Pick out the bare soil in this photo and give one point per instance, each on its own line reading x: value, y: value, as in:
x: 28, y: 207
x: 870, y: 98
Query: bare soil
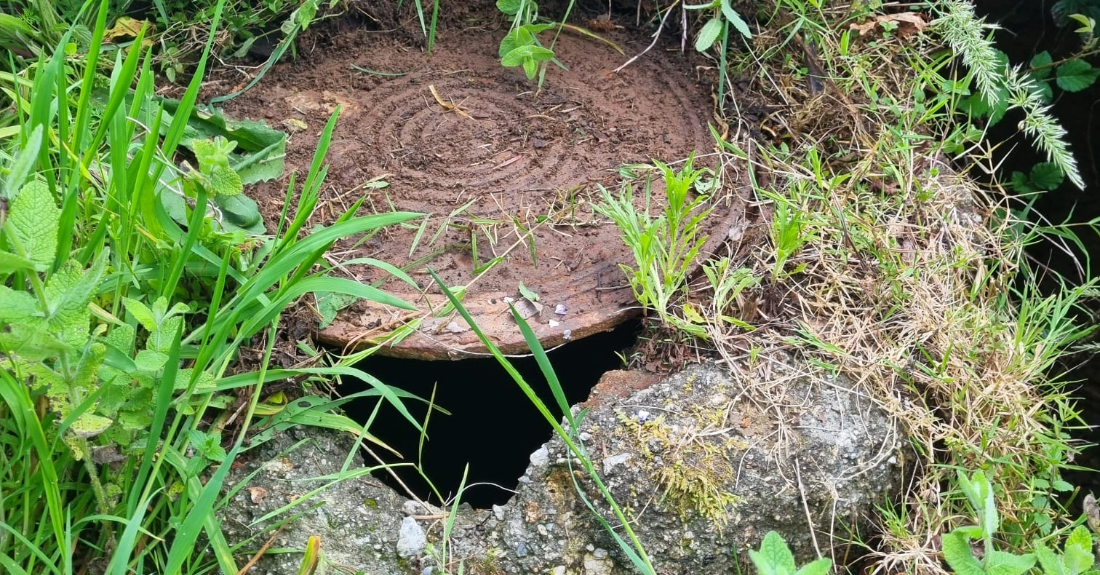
x: 499, y: 165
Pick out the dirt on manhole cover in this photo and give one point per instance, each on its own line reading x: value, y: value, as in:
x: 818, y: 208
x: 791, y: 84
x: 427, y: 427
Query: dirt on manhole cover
x: 506, y: 166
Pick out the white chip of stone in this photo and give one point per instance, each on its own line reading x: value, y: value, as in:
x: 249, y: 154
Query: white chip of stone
x: 541, y: 457
x: 411, y: 540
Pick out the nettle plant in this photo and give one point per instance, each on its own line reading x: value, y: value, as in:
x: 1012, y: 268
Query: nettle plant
x: 1076, y: 557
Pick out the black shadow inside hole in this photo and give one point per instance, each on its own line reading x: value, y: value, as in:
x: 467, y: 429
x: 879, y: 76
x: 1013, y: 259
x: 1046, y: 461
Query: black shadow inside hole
x: 493, y: 426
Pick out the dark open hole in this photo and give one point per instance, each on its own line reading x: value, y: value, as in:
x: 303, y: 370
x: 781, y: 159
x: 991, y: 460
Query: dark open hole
x: 492, y: 426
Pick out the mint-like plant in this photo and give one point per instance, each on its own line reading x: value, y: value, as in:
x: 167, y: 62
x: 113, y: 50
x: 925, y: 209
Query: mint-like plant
x: 1077, y: 557
x: 775, y: 558
x: 521, y: 46
x: 956, y: 544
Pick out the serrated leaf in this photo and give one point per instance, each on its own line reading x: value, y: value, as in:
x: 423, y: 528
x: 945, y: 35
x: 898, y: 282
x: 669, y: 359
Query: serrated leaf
x: 141, y: 313
x: 329, y: 305
x: 11, y: 263
x: 708, y: 34
x: 67, y: 293
x: 1004, y: 563
x: 1048, y: 176
x: 1049, y: 561
x: 161, y: 339
x: 957, y: 553
x: 90, y: 425
x: 1079, y: 557
x: 150, y: 361
x: 1045, y: 91
x: 16, y: 306
x: 734, y: 18
x: 1076, y: 75
x: 34, y: 218
x: 1020, y: 182
x: 1040, y: 65
x: 23, y: 164
x: 224, y: 181
x: 88, y: 367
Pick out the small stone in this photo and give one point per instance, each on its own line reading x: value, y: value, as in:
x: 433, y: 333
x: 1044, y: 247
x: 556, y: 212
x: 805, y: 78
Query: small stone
x: 498, y: 512
x: 559, y: 309
x: 599, y: 553
x: 538, y: 144
x: 411, y: 539
x: 541, y: 530
x: 609, y: 463
x: 521, y: 550
x: 554, y: 323
x: 541, y: 457
x: 567, y: 334
x: 559, y: 570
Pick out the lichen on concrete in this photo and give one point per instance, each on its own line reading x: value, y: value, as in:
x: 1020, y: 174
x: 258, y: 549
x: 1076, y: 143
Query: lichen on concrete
x: 702, y: 463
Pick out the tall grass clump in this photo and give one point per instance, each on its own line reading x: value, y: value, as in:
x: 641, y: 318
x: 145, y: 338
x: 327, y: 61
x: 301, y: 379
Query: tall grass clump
x: 120, y: 326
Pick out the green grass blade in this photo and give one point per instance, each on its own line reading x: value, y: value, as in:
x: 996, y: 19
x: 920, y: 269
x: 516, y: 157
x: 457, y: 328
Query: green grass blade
x: 21, y: 408
x: 188, y: 532
x: 544, y: 365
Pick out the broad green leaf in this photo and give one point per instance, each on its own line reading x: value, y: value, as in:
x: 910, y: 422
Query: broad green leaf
x: 23, y: 164
x: 241, y: 212
x: 1004, y: 563
x: 509, y: 7
x: 68, y: 292
x: 150, y: 361
x: 1050, y: 562
x: 1079, y: 556
x: 224, y: 181
x: 90, y: 425
x: 530, y: 67
x: 141, y: 313
x: 11, y: 263
x: 957, y: 553
x: 1042, y: 87
x: 819, y: 567
x: 519, y: 55
x: 774, y: 558
x: 734, y: 18
x: 1020, y: 182
x: 329, y: 305
x: 16, y: 306
x: 1041, y: 65
x: 1046, y: 176
x: 1076, y: 75
x: 514, y: 39
x: 708, y: 34
x: 34, y: 217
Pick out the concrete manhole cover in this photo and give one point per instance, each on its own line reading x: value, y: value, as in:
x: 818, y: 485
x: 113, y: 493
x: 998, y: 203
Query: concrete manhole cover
x: 507, y: 172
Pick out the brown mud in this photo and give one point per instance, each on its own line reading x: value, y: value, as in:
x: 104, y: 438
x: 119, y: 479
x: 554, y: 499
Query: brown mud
x: 503, y: 169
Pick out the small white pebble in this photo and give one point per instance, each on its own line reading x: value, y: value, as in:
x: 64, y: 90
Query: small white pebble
x: 559, y: 309
x: 567, y: 334
x: 509, y: 299
x: 554, y: 323
x: 643, y: 415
